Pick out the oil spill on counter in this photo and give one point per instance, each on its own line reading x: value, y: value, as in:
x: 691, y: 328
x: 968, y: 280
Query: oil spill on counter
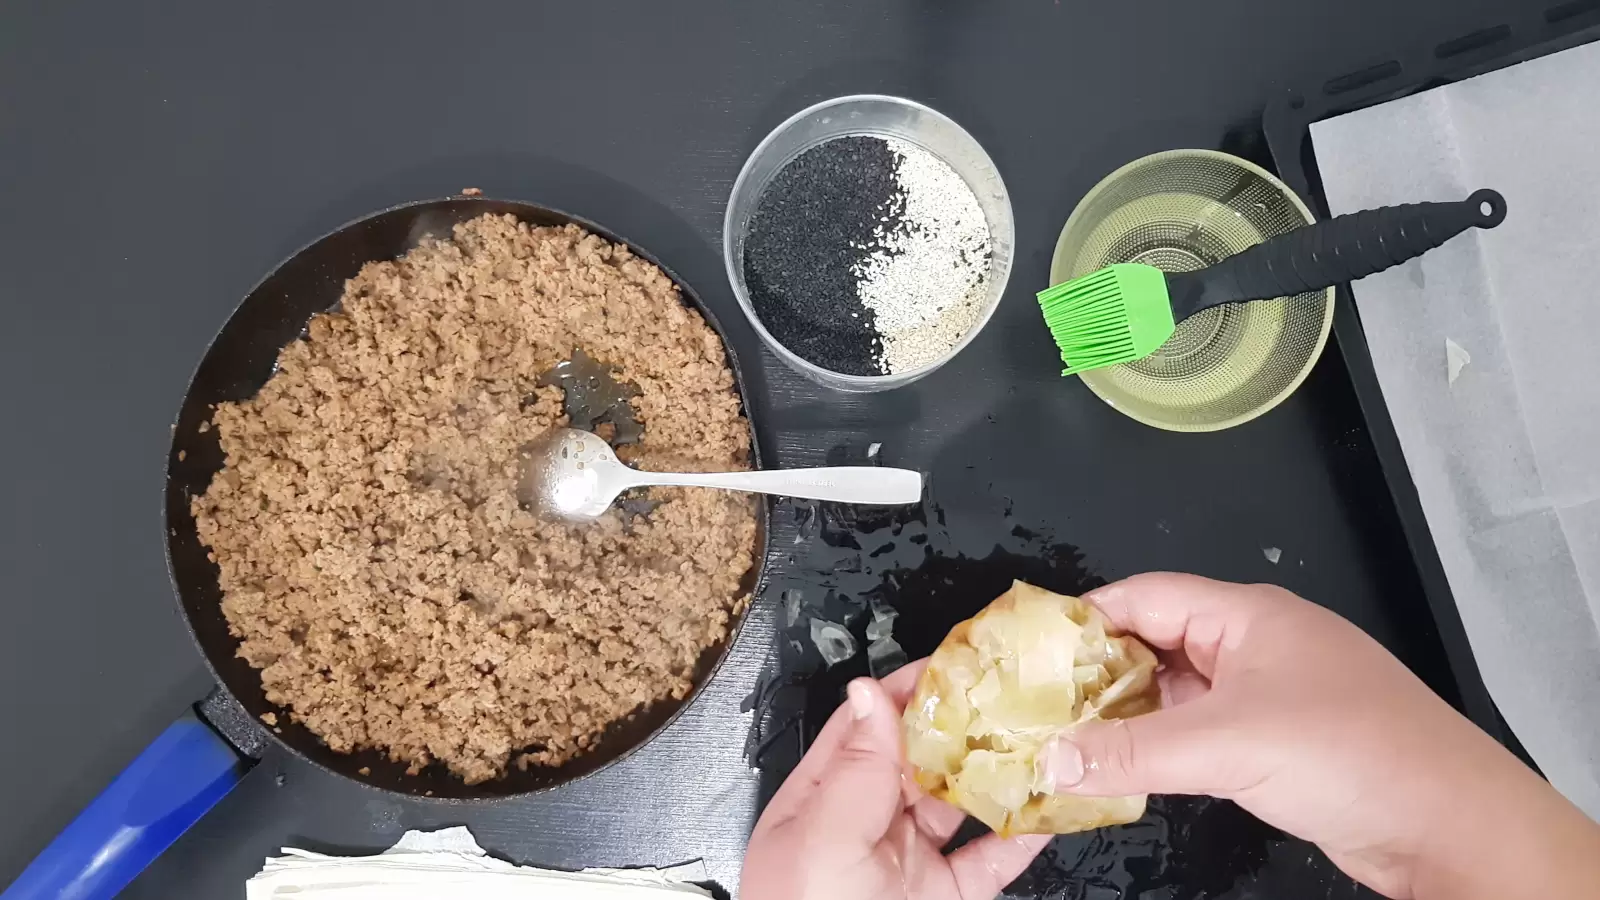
x: 1185, y: 848
x: 849, y: 566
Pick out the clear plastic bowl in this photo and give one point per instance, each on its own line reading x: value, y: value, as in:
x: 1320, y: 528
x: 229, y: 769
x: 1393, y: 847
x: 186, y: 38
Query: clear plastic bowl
x: 880, y: 116
x: 1181, y: 210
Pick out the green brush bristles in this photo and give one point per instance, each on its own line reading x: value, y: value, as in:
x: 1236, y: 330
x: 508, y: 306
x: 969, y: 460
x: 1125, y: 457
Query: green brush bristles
x: 1109, y: 317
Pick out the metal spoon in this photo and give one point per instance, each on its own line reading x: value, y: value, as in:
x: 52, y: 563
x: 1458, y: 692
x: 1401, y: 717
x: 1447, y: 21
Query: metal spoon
x: 573, y: 475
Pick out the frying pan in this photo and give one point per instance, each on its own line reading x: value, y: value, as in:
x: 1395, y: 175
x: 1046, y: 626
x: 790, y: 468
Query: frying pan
x: 191, y: 766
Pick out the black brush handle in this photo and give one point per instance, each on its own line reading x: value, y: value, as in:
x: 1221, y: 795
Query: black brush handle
x: 1324, y: 254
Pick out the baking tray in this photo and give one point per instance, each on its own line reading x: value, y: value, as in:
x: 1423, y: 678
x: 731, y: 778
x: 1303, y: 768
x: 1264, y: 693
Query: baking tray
x: 1534, y: 31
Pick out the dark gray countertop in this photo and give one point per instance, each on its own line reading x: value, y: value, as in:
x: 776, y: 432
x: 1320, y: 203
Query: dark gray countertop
x: 156, y: 161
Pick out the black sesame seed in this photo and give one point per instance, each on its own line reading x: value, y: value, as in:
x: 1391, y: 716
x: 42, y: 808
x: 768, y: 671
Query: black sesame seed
x: 814, y: 224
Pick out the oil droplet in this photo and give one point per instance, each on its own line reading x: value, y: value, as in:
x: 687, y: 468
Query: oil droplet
x: 594, y: 397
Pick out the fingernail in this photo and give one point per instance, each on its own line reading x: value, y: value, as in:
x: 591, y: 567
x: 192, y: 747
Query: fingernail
x: 860, y: 700
x: 1102, y: 594
x: 1063, y: 764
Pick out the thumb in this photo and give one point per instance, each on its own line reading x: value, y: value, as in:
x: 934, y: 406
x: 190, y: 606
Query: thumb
x: 1178, y: 750
x: 858, y: 793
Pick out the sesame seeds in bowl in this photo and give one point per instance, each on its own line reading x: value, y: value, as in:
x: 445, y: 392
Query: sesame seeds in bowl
x: 868, y: 239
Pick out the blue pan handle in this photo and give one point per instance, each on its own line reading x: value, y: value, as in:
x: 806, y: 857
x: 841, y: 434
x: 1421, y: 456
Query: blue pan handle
x: 150, y: 804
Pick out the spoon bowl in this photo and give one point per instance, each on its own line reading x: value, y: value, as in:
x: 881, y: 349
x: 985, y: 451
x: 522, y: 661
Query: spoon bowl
x: 569, y: 474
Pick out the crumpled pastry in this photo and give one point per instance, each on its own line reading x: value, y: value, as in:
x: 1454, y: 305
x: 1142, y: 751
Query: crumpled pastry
x: 1032, y: 665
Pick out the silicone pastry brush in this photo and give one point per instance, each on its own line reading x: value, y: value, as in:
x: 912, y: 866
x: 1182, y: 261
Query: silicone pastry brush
x: 1124, y: 312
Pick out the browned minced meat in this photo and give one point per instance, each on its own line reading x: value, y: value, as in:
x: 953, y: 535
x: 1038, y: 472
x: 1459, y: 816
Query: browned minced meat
x: 373, y: 559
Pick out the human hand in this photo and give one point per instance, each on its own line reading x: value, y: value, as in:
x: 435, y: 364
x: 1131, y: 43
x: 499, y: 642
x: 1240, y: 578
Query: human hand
x: 1308, y: 723
x: 847, y: 825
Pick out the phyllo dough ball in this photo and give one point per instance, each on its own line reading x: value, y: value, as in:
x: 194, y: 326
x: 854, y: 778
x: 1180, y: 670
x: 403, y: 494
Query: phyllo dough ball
x: 1032, y: 665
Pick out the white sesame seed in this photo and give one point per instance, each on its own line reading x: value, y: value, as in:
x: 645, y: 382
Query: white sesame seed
x: 926, y: 279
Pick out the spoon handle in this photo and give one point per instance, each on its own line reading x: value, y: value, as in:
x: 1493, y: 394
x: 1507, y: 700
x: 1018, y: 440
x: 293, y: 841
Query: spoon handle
x: 871, y: 485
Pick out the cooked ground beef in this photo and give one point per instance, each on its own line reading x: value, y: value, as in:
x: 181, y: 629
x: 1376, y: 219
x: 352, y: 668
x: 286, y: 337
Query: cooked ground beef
x: 374, y: 562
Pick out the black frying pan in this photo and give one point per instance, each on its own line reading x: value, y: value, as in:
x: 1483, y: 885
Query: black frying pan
x: 189, y: 767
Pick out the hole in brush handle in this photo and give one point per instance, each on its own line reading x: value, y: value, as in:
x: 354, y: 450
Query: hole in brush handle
x: 1490, y: 207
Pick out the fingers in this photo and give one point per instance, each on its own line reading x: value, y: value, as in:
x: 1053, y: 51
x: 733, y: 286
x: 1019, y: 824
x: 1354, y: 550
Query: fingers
x: 1180, y: 686
x: 936, y: 819
x: 814, y: 767
x: 1178, y: 680
x: 1187, y: 612
x: 852, y: 807
x: 809, y: 772
x: 902, y: 682
x: 1182, y: 750
x: 982, y: 868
